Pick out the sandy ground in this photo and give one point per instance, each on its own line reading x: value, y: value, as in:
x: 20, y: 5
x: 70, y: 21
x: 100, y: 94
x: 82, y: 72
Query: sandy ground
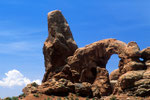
x: 74, y: 97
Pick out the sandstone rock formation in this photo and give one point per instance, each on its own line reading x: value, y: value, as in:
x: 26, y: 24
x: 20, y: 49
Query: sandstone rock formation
x: 30, y: 88
x: 59, y: 44
x: 70, y: 69
x: 133, y: 83
x: 145, y: 54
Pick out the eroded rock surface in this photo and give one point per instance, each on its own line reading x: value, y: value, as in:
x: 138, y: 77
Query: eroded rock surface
x: 30, y: 88
x: 114, y: 75
x: 133, y: 83
x: 59, y: 44
x: 70, y: 69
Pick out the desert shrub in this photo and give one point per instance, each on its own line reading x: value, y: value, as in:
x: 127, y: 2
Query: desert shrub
x: 87, y: 98
x: 22, y: 95
x: 34, y: 84
x: 77, y: 94
x: 49, y: 98
x: 76, y: 98
x: 59, y: 98
x: 53, y: 96
x: 14, y: 98
x: 113, y: 98
x: 36, y: 95
x: 71, y: 98
x: 8, y: 98
x: 66, y: 98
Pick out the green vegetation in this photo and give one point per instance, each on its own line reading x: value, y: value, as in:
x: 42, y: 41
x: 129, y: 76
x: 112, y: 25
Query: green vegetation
x: 22, y: 95
x: 36, y: 95
x: 76, y: 98
x: 13, y: 98
x: 53, y: 96
x: 59, y: 98
x: 77, y: 94
x: 66, y: 98
x: 49, y: 98
x: 87, y: 98
x: 113, y: 98
x: 71, y: 98
x: 8, y: 98
x: 34, y: 84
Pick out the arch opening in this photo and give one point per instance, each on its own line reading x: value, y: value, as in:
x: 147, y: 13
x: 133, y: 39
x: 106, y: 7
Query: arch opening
x: 141, y: 59
x: 113, y: 63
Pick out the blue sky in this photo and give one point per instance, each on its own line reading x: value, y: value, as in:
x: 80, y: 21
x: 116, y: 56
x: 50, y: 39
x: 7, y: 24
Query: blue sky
x: 23, y: 30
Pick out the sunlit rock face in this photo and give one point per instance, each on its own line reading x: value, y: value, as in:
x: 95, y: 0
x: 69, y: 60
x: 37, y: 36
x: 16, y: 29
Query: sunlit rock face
x: 70, y: 69
x: 59, y: 44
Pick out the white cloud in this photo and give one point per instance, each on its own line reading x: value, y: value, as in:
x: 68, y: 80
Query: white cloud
x: 15, y: 78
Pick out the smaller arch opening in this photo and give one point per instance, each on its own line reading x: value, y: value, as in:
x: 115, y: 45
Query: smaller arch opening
x: 141, y: 59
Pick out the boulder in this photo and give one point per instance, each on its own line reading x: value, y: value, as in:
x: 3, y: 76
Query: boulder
x: 133, y: 83
x: 146, y: 75
x: 142, y: 88
x: 145, y: 54
x: 133, y: 66
x: 113, y: 84
x: 83, y: 89
x: 54, y: 87
x: 127, y: 80
x: 68, y: 74
x: 147, y: 64
x: 114, y: 75
x: 30, y: 88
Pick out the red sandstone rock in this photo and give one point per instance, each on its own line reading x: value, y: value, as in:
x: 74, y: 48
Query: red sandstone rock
x: 83, y: 70
x: 102, y: 82
x: 59, y: 44
x: 145, y: 53
x: 135, y: 83
x: 68, y: 74
x: 30, y: 88
x: 114, y: 75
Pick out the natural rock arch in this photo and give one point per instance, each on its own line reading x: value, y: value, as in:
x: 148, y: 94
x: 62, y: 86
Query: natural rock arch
x: 60, y: 49
x: 83, y: 70
x: 97, y: 55
x: 113, y: 63
x: 63, y: 59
